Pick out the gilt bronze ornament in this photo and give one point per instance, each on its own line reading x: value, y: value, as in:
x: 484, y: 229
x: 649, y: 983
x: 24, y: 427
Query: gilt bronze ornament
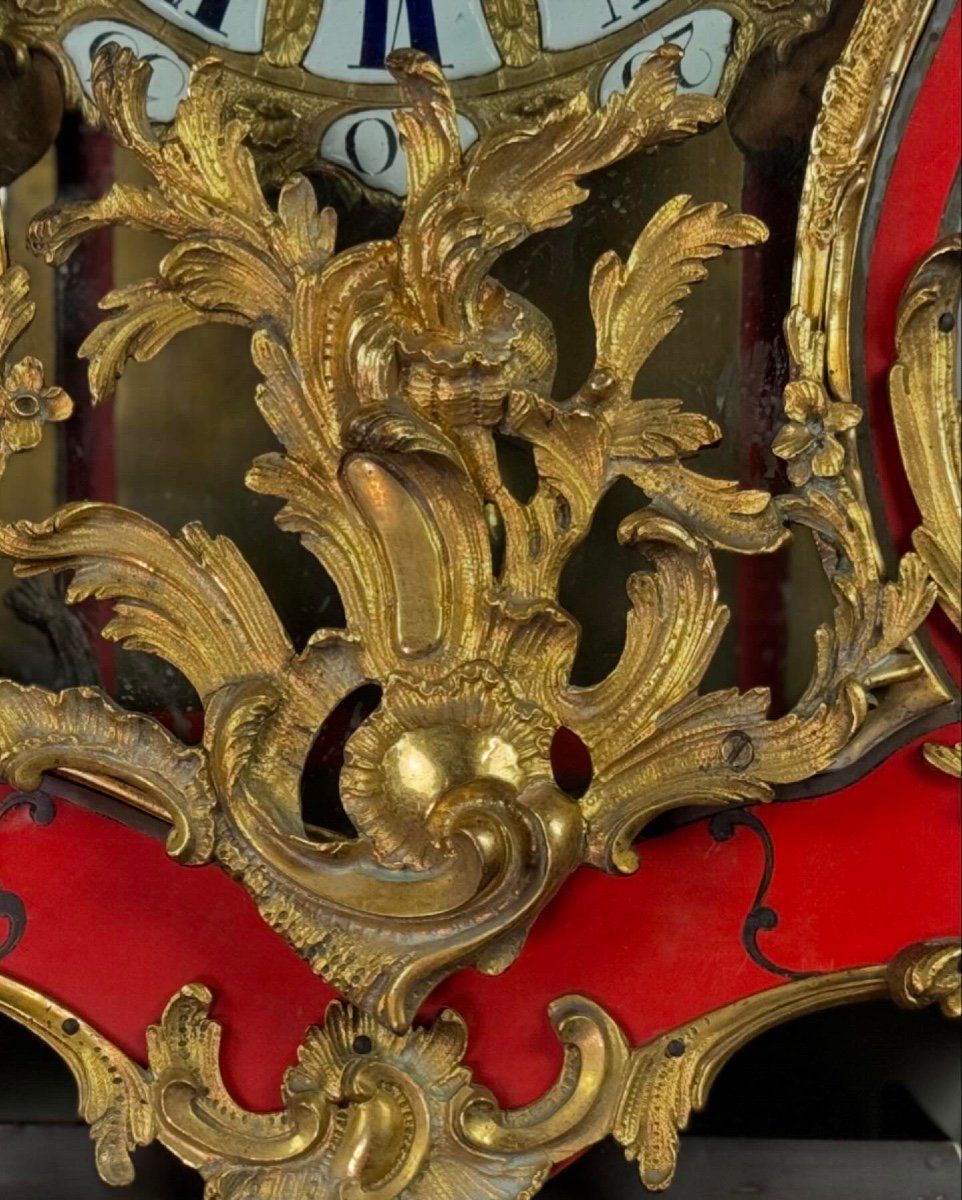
x: 371, y: 1113
x: 388, y: 368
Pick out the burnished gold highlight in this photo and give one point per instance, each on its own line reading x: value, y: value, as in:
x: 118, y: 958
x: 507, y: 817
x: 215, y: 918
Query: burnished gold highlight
x: 385, y: 390
x: 369, y: 1113
x: 388, y: 371
x: 288, y: 28
x: 114, y: 1096
x: 856, y: 106
x: 818, y: 439
x: 928, y: 974
x: 516, y: 28
x: 376, y: 1114
x: 671, y: 1077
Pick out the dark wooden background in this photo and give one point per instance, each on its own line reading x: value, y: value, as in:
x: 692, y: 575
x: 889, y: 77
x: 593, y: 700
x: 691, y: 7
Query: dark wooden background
x: 54, y: 1162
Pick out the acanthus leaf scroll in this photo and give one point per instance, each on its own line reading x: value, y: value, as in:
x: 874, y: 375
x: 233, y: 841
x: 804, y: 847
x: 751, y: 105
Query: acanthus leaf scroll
x: 387, y: 368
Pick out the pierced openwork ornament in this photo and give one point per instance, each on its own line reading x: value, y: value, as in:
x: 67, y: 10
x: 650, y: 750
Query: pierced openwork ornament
x: 389, y: 370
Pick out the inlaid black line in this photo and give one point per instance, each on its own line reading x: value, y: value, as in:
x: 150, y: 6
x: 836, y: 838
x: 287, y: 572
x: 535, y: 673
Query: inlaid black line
x: 42, y: 810
x: 762, y: 917
x: 13, y: 914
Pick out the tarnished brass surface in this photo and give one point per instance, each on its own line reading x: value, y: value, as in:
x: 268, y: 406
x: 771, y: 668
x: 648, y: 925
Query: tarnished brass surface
x: 388, y: 369
x: 370, y: 1113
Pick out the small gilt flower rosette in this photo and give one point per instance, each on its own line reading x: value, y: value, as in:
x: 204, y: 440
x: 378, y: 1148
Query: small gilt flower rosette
x: 26, y: 402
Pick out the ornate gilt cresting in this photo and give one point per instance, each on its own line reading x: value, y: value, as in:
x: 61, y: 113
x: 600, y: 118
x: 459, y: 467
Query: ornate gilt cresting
x: 368, y: 1113
x: 387, y: 370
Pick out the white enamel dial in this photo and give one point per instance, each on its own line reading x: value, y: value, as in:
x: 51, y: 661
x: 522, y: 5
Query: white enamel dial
x: 706, y: 39
x: 354, y: 37
x: 233, y: 24
x: 169, y: 72
x: 367, y: 144
x: 569, y: 23
x: 333, y: 77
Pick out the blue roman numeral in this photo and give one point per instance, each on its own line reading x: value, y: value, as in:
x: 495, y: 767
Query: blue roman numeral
x: 374, y: 37
x: 209, y: 13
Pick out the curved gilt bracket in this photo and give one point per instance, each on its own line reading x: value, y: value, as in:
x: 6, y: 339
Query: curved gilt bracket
x: 671, y: 1077
x: 818, y: 438
x: 925, y: 388
x: 114, y: 1092
x: 371, y: 1115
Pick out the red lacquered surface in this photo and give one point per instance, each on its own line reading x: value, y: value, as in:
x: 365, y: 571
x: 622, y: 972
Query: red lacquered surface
x: 114, y: 927
x: 857, y: 875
